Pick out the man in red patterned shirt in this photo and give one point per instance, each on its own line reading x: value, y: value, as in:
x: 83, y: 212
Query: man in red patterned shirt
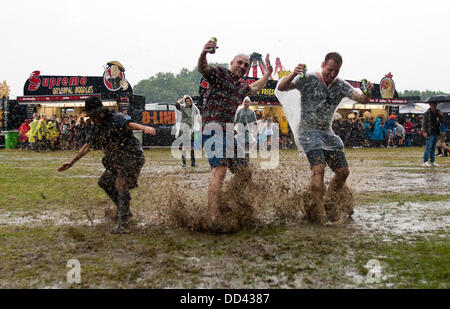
x: 225, y: 93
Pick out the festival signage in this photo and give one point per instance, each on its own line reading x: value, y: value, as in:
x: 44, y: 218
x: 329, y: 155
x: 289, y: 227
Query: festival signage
x: 387, y: 87
x: 111, y: 85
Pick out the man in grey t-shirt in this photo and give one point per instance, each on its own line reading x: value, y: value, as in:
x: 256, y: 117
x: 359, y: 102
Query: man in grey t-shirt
x: 321, y: 93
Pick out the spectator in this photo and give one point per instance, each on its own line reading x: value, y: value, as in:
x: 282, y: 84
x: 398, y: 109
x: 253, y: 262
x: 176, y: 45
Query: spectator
x: 431, y: 127
x: 390, y: 126
x: 399, y: 133
x: 23, y: 130
x: 284, y: 130
x: 441, y: 145
x: 247, y: 118
x: 53, y: 134
x: 377, y: 135
x: 125, y: 114
x: 368, y: 128
x: 65, y: 134
x: 408, y: 131
x: 41, y: 133
x: 32, y: 132
x: 187, y: 118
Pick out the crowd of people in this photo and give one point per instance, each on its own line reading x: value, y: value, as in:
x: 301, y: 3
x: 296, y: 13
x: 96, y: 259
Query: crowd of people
x: 68, y: 133
x: 53, y: 133
x: 368, y: 131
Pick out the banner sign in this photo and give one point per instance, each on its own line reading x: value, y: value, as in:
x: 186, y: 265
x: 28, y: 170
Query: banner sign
x: 111, y: 85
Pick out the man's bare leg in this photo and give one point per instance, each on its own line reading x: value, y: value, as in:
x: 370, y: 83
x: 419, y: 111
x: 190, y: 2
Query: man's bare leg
x: 317, y: 211
x: 339, y: 214
x: 338, y: 181
x: 215, y: 192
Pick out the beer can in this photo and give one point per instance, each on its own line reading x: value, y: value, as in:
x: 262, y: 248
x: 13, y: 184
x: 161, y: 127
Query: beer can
x: 213, y: 50
x: 363, y: 86
x: 301, y: 75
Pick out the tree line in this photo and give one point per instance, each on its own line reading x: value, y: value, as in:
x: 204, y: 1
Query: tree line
x: 169, y: 87
x: 424, y: 95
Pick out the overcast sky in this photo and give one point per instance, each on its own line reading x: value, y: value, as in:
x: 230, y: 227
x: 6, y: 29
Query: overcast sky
x: 411, y: 39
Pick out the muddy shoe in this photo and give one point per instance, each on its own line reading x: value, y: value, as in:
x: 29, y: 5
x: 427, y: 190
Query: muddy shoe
x: 223, y: 225
x: 121, y: 228
x: 111, y: 213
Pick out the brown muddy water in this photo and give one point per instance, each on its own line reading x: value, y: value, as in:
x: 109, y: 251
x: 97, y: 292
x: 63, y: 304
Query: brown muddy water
x: 271, y: 195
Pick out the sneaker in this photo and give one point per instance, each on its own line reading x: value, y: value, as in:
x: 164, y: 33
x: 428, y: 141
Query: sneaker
x: 434, y: 164
x: 426, y: 164
x: 440, y: 155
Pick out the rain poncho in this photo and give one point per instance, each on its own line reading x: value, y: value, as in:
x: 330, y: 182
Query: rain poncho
x: 245, y: 122
x: 310, y: 111
x: 53, y: 132
x: 377, y: 131
x: 32, y: 133
x: 189, y: 116
x: 41, y: 130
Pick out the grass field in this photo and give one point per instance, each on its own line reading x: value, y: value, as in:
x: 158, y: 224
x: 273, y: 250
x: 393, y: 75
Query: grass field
x: 402, y: 220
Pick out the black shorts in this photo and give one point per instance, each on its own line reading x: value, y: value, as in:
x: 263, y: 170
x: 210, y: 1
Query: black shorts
x: 334, y: 158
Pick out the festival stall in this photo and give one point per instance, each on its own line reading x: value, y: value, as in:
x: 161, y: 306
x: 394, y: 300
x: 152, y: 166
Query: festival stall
x: 65, y: 95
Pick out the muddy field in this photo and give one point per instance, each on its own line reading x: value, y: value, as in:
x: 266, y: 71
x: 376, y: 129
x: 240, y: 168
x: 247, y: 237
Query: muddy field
x: 401, y: 220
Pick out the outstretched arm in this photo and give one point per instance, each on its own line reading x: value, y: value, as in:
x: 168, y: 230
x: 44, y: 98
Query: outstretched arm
x: 287, y: 83
x: 361, y: 98
x: 83, y: 151
x: 137, y: 126
x: 260, y: 83
x: 203, y: 66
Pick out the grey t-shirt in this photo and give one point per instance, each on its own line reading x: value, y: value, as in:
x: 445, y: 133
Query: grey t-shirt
x: 319, y: 101
x: 318, y: 105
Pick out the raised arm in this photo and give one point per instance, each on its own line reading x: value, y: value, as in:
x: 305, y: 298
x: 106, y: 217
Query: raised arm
x: 137, y: 126
x: 287, y: 83
x: 260, y: 83
x: 203, y: 66
x: 361, y: 97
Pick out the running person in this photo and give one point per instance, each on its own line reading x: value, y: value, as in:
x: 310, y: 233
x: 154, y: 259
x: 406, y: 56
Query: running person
x: 225, y: 93
x: 321, y: 93
x: 123, y: 158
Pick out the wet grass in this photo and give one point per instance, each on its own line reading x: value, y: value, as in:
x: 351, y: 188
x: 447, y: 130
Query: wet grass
x: 364, y: 198
x: 273, y: 255
x: 422, y: 264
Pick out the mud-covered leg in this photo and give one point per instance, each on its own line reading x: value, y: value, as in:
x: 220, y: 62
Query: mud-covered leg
x: 339, y: 199
x: 215, y: 194
x: 317, y: 211
x: 108, y: 183
x: 123, y: 205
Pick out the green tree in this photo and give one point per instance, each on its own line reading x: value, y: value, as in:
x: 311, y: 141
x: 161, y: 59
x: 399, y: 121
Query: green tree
x: 168, y: 87
x: 424, y: 95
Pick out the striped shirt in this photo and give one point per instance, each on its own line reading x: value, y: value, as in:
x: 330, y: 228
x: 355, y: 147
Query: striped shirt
x: 224, y: 95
